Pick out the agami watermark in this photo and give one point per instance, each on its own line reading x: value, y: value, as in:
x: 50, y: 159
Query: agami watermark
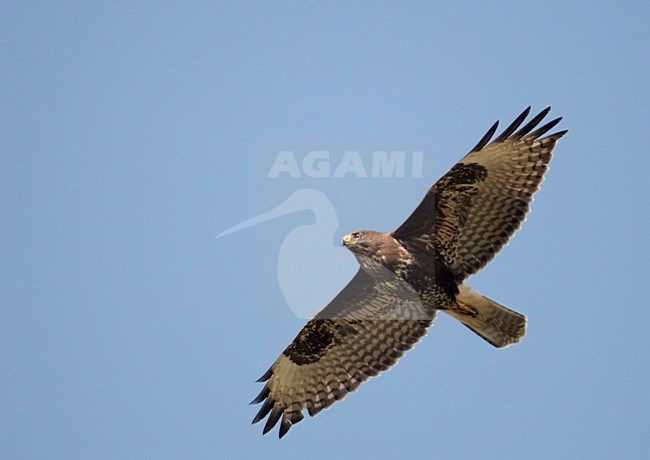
x: 310, y: 264
x: 319, y: 164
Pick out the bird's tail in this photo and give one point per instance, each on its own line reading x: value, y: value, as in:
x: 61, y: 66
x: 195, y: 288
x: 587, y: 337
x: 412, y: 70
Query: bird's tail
x: 495, y: 323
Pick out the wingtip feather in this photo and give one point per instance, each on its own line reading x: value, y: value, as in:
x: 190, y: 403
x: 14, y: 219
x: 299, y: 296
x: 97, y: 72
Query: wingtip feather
x: 266, y: 376
x: 272, y: 420
x: 266, y: 408
x: 514, y: 125
x: 544, y: 129
x: 285, y: 426
x: 486, y: 138
x: 556, y: 136
x: 262, y: 396
x: 532, y: 124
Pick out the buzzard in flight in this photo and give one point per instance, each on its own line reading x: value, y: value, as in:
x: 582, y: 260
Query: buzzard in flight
x: 408, y: 275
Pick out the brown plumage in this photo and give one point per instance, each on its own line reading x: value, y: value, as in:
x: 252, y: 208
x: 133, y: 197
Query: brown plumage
x: 406, y: 276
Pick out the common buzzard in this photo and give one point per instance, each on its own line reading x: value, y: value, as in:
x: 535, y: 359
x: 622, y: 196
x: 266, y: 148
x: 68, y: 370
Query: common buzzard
x: 408, y: 275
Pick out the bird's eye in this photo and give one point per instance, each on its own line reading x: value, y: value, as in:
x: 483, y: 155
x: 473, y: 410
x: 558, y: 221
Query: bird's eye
x: 357, y: 235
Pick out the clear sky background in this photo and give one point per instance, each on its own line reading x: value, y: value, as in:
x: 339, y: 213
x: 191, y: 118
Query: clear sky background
x: 131, y: 135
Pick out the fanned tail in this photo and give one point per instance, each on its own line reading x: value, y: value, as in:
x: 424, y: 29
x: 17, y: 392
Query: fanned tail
x: 495, y: 323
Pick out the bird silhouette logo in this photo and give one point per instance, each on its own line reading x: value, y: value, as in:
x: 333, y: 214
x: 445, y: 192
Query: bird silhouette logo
x: 304, y: 287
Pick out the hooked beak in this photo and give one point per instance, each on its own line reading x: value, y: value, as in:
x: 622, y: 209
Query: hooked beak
x: 346, y: 240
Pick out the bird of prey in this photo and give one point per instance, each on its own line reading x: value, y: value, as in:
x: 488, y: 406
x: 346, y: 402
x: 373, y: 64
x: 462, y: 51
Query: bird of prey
x: 405, y: 277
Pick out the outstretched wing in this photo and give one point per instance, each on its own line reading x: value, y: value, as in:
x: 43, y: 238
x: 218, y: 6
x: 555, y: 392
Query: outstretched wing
x: 364, y: 330
x: 474, y: 209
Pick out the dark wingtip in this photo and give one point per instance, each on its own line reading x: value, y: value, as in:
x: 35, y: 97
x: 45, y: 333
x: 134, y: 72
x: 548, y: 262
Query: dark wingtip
x: 544, y: 129
x: 513, y: 126
x: 486, y: 138
x: 272, y: 420
x: 528, y: 127
x: 266, y: 376
x: 285, y: 425
x: 266, y: 408
x: 553, y: 137
x: 262, y: 396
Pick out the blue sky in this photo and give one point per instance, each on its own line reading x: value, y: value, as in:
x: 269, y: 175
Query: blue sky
x: 134, y: 132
